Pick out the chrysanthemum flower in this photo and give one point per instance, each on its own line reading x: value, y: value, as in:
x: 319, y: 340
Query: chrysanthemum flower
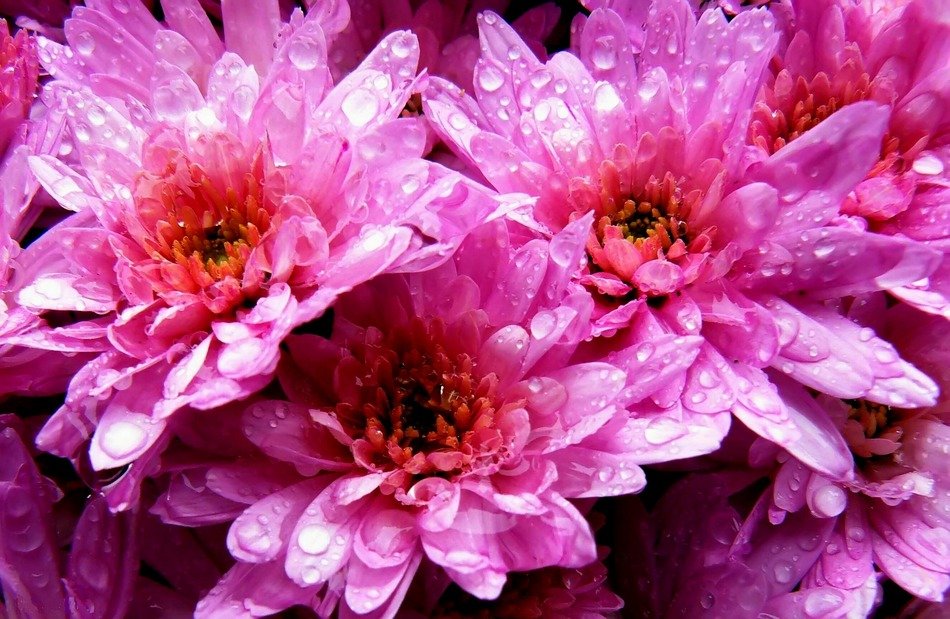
x: 716, y: 567
x: 440, y: 420
x: 644, y: 127
x: 893, y: 513
x: 837, y: 54
x: 22, y: 348
x: 225, y: 193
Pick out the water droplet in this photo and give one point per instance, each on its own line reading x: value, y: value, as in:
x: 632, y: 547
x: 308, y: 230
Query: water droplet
x: 123, y: 438
x: 311, y: 575
x: 360, y: 106
x: 604, y: 54
x: 605, y: 97
x: 84, y: 43
x: 402, y: 46
x: 824, y: 250
x: 490, y: 78
x: 645, y: 351
x: 543, y: 324
x: 928, y: 165
x: 303, y: 52
x: 648, y: 89
x: 782, y: 571
x: 662, y: 430
x: 829, y: 501
x: 314, y: 539
x: 707, y: 601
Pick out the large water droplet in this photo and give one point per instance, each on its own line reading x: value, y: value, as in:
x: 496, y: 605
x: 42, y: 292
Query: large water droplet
x: 605, y: 97
x: 360, y: 107
x: 303, y: 53
x: 829, y: 501
x: 604, y: 54
x: 490, y: 78
x: 123, y: 438
x: 314, y: 539
x: 663, y: 430
x: 782, y: 571
x: 84, y: 43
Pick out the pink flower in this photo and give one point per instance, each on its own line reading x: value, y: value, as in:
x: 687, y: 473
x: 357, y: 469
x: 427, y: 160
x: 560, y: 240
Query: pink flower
x: 23, y: 349
x: 224, y: 193
x: 711, y: 567
x: 892, y: 513
x: 438, y: 420
x: 838, y: 54
x: 691, y: 239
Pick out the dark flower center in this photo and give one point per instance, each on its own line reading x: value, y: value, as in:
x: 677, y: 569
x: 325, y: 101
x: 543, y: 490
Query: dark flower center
x: 200, y: 234
x: 413, y: 107
x: 873, y: 429
x: 417, y: 406
x: 659, y: 213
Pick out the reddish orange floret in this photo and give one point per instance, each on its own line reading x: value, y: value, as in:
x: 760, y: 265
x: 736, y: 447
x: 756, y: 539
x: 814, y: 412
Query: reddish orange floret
x: 416, y: 398
x: 209, y: 234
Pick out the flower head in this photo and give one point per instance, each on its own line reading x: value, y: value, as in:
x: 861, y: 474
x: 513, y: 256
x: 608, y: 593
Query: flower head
x: 691, y: 238
x: 221, y: 202
x: 435, y: 421
x: 839, y: 54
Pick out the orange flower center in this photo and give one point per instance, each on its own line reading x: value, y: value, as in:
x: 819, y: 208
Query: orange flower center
x: 872, y: 429
x: 652, y: 220
x: 414, y: 398
x: 201, y: 235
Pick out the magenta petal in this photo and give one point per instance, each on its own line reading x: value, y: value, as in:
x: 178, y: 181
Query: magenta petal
x: 319, y: 546
x: 252, y: 591
x: 286, y: 431
x: 103, y: 561
x: 260, y: 533
x: 820, y: 445
x: 368, y: 588
x: 28, y: 560
x: 846, y: 561
x: 250, y: 28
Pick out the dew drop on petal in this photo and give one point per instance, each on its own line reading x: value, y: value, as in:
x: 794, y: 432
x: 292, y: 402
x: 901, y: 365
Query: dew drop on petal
x: 829, y: 501
x: 123, y: 438
x: 84, y: 44
x: 604, y: 53
x: 303, y: 53
x: 662, y: 430
x: 490, y: 78
x: 360, y: 107
x: 782, y: 571
x: 605, y: 97
x: 314, y: 539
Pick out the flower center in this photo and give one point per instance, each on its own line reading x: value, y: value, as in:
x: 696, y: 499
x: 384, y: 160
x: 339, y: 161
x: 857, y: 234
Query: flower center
x: 872, y: 429
x: 638, y: 219
x: 203, y: 235
x: 413, y: 107
x: 653, y: 220
x: 418, y: 406
x: 793, y: 106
